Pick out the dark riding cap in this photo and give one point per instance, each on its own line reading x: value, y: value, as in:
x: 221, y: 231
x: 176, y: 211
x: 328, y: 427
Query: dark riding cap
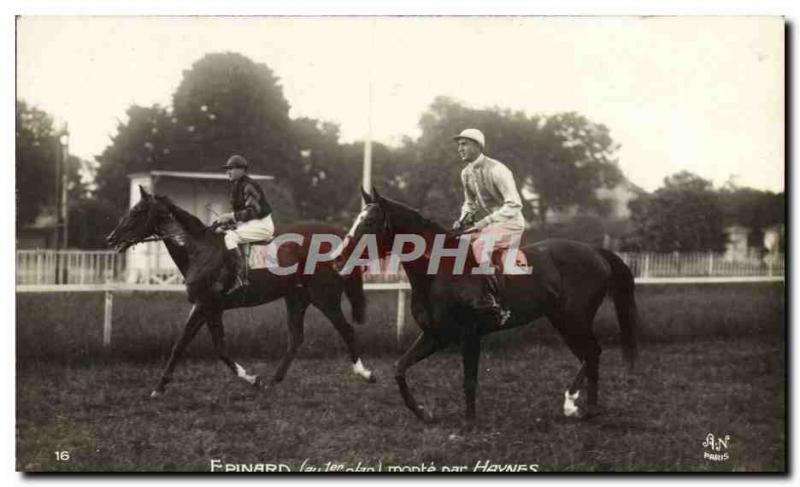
x: 236, y: 161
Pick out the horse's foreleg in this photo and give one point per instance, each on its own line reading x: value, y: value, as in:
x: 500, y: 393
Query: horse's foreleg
x: 217, y: 331
x: 193, y: 323
x: 328, y: 300
x: 296, y: 306
x: 422, y: 348
x: 471, y: 352
x: 592, y: 373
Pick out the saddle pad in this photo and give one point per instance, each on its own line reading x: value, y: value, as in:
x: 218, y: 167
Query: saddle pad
x: 521, y: 260
x: 258, y: 255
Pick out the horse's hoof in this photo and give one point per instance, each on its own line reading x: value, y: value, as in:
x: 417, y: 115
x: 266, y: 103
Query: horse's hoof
x: 424, y: 415
x: 466, y: 429
x: 591, y: 412
x: 571, y: 408
x: 262, y: 385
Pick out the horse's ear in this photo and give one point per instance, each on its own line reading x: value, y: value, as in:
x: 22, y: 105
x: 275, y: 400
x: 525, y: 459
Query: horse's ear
x: 378, y: 197
x: 367, y: 197
x: 145, y: 195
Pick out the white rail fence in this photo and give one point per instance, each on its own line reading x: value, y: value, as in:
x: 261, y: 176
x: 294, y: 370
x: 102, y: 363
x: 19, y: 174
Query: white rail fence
x: 43, y: 271
x: 48, y: 267
x: 695, y: 264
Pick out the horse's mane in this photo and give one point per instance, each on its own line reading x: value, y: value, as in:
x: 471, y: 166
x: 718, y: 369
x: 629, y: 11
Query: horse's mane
x: 189, y: 222
x: 413, y: 217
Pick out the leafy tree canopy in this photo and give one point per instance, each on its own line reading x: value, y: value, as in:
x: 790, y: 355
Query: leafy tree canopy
x: 685, y: 214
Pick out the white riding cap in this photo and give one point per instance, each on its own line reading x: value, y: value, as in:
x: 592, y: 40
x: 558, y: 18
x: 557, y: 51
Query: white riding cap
x: 474, y: 135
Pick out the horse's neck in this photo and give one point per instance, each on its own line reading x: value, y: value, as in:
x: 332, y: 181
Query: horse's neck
x: 177, y: 241
x: 179, y: 256
x: 417, y: 269
x: 173, y: 232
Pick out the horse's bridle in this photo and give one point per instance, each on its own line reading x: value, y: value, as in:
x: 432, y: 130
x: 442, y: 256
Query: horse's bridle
x: 153, y: 237
x: 387, y: 223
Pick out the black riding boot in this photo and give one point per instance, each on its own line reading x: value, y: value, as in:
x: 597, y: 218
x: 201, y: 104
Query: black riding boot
x: 489, y: 301
x: 239, y: 265
x: 494, y: 286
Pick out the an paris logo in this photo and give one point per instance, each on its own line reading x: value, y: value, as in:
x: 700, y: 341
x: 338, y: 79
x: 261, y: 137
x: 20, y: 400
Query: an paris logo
x: 716, y: 448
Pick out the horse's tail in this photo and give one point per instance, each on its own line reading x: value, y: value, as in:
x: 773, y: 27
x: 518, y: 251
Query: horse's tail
x: 354, y: 289
x: 621, y: 289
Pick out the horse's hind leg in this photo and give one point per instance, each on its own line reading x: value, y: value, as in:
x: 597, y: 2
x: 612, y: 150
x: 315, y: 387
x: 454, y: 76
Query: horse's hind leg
x: 193, y: 323
x: 328, y: 299
x: 215, y: 328
x: 576, y: 330
x: 296, y: 305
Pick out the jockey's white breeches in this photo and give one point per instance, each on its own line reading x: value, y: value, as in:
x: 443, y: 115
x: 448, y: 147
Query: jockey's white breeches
x: 496, y: 236
x: 250, y: 231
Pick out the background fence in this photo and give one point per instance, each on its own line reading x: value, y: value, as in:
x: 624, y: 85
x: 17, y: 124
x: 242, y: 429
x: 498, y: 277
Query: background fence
x: 47, y: 267
x: 104, y: 271
x: 51, y: 267
x: 696, y: 264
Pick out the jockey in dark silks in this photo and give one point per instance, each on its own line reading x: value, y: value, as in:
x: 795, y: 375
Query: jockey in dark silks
x: 250, y: 220
x: 492, y: 211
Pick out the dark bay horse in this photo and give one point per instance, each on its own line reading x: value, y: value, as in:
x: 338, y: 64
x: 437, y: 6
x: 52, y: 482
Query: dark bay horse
x: 199, y: 253
x: 568, y: 283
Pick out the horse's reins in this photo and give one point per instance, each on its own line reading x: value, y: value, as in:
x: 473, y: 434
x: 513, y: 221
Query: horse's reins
x: 160, y: 238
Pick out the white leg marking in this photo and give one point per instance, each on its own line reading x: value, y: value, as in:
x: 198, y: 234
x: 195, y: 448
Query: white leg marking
x: 244, y: 375
x: 359, y: 369
x: 338, y: 251
x: 570, y: 409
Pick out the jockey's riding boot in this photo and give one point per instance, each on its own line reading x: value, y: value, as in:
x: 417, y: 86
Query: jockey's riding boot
x: 496, y: 285
x: 493, y: 287
x: 489, y: 301
x: 239, y: 266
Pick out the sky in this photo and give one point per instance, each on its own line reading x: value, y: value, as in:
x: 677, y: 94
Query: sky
x: 702, y: 94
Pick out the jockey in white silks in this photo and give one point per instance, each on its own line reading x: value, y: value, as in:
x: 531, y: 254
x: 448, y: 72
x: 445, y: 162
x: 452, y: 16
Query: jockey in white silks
x: 251, y: 217
x: 492, y: 210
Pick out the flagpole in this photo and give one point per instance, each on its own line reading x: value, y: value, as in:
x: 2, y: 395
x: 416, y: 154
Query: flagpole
x: 367, y: 176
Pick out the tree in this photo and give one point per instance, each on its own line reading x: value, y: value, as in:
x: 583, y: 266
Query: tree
x: 90, y: 220
x: 326, y: 187
x: 324, y: 180
x: 753, y: 209
x: 36, y: 153
x: 225, y: 104
x: 562, y: 158
x: 144, y: 143
x: 683, y: 215
x: 573, y: 158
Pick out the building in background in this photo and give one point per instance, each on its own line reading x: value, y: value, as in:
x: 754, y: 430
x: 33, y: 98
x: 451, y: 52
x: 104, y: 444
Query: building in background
x: 41, y: 234
x: 203, y: 194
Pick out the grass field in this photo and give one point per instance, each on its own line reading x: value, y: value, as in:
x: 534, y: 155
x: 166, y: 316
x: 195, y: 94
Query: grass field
x: 67, y: 327
x: 713, y: 361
